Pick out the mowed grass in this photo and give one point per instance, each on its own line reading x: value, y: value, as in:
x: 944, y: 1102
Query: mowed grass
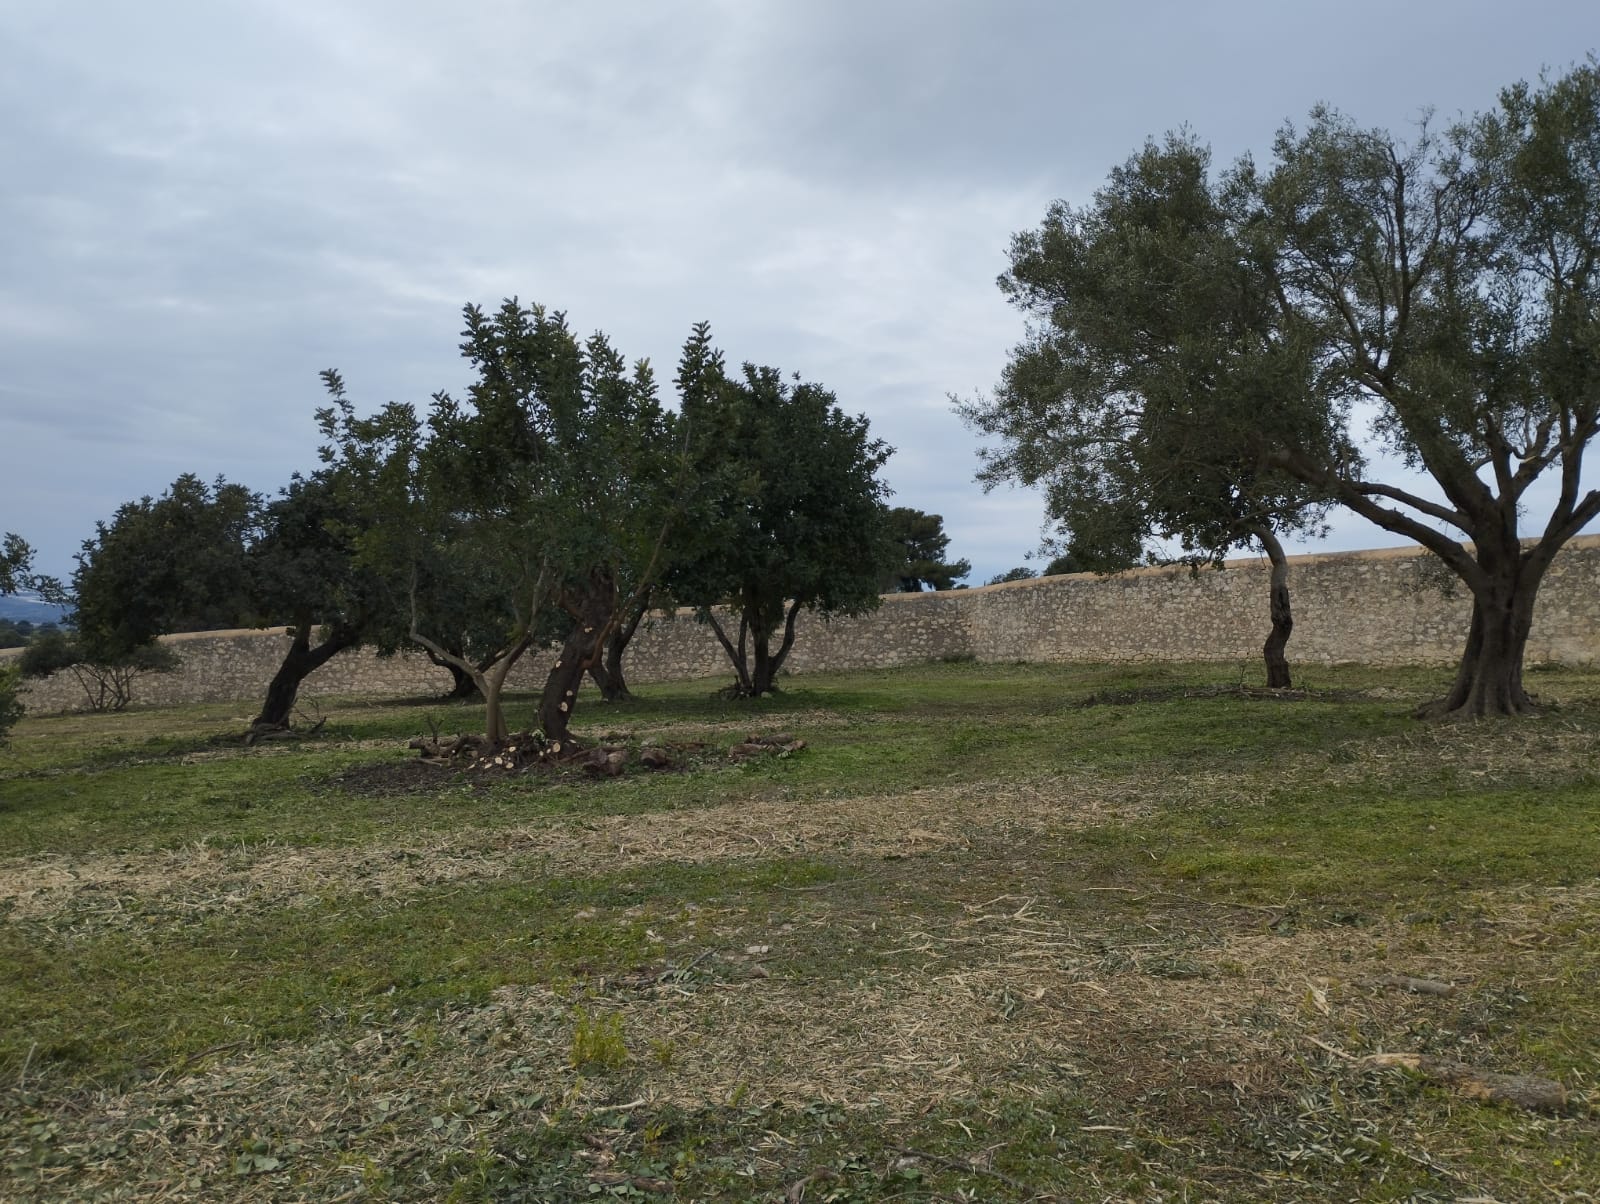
x: 996, y: 932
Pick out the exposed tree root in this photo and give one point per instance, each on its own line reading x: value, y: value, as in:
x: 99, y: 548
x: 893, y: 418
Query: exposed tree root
x: 257, y: 732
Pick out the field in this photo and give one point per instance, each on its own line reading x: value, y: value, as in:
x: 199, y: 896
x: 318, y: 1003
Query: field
x: 1000, y: 933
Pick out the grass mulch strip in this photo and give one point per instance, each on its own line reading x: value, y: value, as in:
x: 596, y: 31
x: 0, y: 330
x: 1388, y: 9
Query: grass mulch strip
x: 1067, y: 956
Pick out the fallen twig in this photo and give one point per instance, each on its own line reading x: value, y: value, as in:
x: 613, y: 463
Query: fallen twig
x: 967, y: 1166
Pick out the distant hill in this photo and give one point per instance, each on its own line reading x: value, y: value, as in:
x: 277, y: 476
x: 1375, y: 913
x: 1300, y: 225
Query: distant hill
x: 16, y: 607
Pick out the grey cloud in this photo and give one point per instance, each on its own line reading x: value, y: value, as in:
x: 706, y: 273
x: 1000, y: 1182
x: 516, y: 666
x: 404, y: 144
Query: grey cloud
x: 209, y: 201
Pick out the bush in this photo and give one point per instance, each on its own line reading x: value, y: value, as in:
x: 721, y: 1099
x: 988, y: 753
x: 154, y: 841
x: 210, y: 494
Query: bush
x: 107, y: 680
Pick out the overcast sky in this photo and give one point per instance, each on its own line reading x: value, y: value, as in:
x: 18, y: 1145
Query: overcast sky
x: 205, y: 202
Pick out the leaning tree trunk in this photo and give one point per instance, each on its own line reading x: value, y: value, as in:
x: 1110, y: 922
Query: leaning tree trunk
x: 462, y: 684
x: 593, y: 616
x: 1272, y: 651
x: 299, y: 663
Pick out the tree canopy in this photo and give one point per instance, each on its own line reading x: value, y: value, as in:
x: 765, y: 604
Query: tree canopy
x: 178, y: 562
x: 922, y: 545
x: 526, y: 507
x: 789, y: 515
x: 1153, y: 349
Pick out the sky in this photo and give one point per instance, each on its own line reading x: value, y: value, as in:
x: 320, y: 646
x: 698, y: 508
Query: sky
x: 206, y: 202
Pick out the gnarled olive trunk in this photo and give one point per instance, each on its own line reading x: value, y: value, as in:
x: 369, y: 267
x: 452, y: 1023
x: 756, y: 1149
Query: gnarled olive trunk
x: 1488, y: 680
x: 1273, y: 651
x: 462, y: 685
x: 299, y: 663
x: 593, y: 612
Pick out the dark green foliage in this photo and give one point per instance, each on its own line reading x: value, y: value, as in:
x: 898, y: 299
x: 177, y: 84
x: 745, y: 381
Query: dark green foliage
x: 533, y: 508
x: 924, y: 544
x: 1021, y: 573
x: 789, y: 515
x: 202, y: 557
x: 175, y: 563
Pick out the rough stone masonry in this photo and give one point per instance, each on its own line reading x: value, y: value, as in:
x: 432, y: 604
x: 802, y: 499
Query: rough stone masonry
x: 1394, y: 606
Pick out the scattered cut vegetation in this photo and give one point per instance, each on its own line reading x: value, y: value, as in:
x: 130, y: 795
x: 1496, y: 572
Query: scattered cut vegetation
x: 944, y: 934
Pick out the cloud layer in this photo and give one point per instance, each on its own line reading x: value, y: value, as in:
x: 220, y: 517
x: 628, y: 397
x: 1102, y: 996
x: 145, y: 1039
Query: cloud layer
x: 207, y: 202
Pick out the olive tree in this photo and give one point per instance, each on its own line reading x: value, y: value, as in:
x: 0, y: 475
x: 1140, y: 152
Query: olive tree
x: 1136, y: 399
x: 1447, y: 286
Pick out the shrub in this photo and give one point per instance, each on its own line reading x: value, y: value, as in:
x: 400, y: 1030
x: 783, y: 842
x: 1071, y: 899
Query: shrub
x: 107, y: 680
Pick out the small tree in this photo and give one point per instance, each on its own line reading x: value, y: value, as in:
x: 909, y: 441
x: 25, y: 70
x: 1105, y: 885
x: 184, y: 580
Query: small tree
x: 790, y: 514
x: 179, y: 562
x: 105, y: 674
x: 922, y: 543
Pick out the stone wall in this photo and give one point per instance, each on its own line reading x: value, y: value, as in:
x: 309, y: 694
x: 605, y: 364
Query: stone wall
x: 1391, y: 606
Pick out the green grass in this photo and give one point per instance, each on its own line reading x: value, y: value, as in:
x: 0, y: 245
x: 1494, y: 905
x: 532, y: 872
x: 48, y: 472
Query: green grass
x: 1104, y: 900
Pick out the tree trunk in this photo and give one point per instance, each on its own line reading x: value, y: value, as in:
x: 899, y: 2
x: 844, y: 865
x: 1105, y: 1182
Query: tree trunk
x: 496, y: 731
x: 299, y: 663
x: 593, y: 616
x: 763, y: 670
x: 1489, y: 678
x: 762, y: 676
x: 742, y: 686
x: 1272, y: 651
x: 462, y: 685
x: 607, y: 669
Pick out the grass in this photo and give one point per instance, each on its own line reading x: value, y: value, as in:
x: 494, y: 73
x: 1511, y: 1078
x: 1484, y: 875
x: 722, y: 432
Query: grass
x: 998, y: 932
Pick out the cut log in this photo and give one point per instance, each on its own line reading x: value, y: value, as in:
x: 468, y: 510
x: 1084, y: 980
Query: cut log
x: 1417, y: 986
x: 1487, y: 1086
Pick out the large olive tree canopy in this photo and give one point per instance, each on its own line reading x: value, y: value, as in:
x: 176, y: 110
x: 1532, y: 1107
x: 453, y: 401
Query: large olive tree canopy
x: 1438, y: 295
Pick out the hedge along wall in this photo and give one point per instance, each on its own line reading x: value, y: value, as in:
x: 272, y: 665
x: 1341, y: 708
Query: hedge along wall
x: 1391, y: 606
